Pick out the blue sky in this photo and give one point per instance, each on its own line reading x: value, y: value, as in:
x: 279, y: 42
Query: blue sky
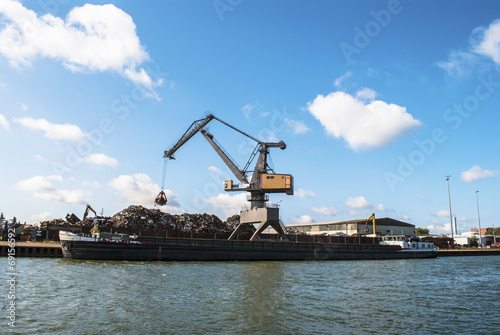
x: 377, y: 102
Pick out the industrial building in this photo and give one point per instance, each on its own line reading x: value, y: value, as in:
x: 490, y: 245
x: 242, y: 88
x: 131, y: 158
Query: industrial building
x: 383, y: 226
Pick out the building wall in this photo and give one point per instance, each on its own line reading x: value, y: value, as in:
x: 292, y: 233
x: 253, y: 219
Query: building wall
x: 360, y: 228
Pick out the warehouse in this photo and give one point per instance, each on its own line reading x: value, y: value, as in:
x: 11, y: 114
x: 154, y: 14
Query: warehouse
x: 383, y: 226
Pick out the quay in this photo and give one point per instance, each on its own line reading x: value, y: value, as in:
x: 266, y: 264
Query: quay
x: 32, y: 249
x: 468, y: 252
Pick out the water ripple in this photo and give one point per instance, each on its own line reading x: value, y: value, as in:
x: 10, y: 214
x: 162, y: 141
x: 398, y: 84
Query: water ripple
x: 455, y: 295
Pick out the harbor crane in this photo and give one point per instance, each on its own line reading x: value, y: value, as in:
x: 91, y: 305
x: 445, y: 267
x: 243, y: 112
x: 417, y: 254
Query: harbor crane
x: 263, y: 180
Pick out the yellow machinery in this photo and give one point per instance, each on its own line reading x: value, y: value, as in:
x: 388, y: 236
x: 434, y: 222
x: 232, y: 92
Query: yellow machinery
x: 372, y: 217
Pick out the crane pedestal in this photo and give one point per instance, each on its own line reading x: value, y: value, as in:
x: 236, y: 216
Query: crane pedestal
x: 266, y: 216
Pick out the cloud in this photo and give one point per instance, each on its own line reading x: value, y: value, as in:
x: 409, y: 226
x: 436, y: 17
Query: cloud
x: 443, y: 213
x: 24, y: 107
x: 304, y: 219
x: 101, y: 159
x: 53, y: 131
x: 42, y: 188
x: 475, y: 173
x: 366, y: 94
x: 326, y: 211
x: 338, y: 81
x: 298, y: 127
x: 300, y: 193
x: 139, y: 189
x: 267, y: 135
x: 214, y: 169
x: 361, y: 202
x: 45, y: 216
x: 459, y: 63
x: 438, y: 228
x: 91, y: 38
x: 4, y: 123
x: 486, y: 41
x: 483, y: 42
x: 362, y: 126
x: 229, y: 204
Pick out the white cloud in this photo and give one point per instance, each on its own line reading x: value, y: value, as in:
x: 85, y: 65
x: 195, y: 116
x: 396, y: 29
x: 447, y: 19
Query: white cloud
x: 53, y: 131
x: 304, y: 219
x: 45, y: 216
x: 42, y: 188
x: 326, y: 211
x: 483, y: 42
x: 139, y: 189
x: 437, y: 227
x: 362, y: 126
x: 298, y: 127
x: 24, y: 107
x: 338, y: 81
x: 229, y: 204
x: 267, y: 135
x: 101, y: 159
x: 366, y: 94
x: 443, y: 213
x: 300, y: 193
x: 214, y: 169
x: 459, y: 63
x: 91, y: 38
x: 486, y: 41
x: 361, y: 202
x: 4, y: 123
x: 476, y: 173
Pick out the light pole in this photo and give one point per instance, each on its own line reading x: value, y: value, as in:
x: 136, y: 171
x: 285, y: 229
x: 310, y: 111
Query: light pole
x: 449, y: 204
x: 478, y: 220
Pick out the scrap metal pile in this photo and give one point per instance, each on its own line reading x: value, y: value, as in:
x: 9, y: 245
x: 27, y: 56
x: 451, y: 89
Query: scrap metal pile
x: 154, y: 219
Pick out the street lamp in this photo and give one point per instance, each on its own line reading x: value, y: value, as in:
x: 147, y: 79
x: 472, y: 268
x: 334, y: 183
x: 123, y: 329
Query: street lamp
x: 478, y: 220
x: 449, y: 204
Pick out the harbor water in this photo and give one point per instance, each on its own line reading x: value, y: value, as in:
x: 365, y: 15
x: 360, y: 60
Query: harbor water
x: 448, y: 295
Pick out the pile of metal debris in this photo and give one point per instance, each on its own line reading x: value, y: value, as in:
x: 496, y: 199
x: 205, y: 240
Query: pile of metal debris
x: 140, y: 217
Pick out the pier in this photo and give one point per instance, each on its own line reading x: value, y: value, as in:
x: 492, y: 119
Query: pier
x: 32, y: 249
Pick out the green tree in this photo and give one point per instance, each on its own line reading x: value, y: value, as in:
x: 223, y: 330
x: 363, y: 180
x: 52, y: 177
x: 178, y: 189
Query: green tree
x: 421, y: 231
x: 493, y: 231
x: 474, y: 241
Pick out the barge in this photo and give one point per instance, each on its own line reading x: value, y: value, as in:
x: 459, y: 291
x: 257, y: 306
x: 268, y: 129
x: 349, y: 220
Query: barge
x: 135, y: 248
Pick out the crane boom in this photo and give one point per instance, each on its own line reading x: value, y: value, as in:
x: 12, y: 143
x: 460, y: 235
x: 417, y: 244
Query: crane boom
x: 195, y: 127
x: 225, y: 157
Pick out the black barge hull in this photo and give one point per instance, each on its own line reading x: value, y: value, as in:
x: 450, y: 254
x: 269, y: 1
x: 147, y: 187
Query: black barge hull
x: 179, y: 249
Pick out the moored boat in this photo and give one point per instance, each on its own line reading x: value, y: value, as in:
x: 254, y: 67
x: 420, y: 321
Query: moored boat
x: 135, y: 248
x: 411, y: 245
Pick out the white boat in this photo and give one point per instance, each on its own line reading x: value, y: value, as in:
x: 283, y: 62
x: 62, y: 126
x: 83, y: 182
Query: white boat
x: 409, y: 244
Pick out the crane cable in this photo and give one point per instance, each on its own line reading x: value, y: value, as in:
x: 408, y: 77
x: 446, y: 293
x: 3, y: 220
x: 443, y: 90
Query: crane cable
x: 164, y: 174
x: 161, y: 199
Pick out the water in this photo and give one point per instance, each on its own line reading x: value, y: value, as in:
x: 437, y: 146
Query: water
x: 449, y: 295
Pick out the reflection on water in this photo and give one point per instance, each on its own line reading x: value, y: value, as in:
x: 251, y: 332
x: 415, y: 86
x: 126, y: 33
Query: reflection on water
x: 443, y: 296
